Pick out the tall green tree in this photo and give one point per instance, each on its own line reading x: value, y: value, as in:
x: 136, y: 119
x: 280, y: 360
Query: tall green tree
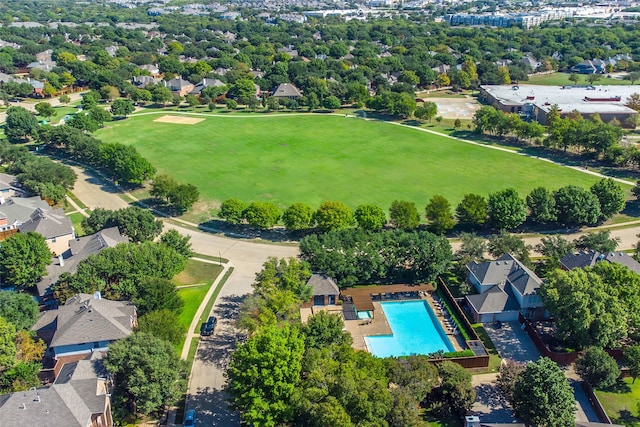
x: 455, y: 394
x: 439, y: 214
x: 506, y: 209
x: 600, y: 241
x: 23, y: 259
x: 263, y: 375
x: 157, y: 293
x: 19, y: 308
x: 20, y: 125
x: 324, y: 329
x: 122, y: 107
x: 542, y: 205
x: 472, y: 210
x: 631, y: 359
x: 332, y: 215
x: 163, y: 324
x: 232, y: 210
x: 298, y: 216
x: 597, y: 368
x: 45, y: 109
x: 404, y: 215
x: 370, y: 217
x: 542, y: 396
x: 610, y: 195
x: 262, y: 214
x: 576, y: 206
x: 149, y: 374
x: 587, y: 311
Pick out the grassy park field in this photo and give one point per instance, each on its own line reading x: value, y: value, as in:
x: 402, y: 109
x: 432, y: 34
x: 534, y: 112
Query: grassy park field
x: 314, y: 158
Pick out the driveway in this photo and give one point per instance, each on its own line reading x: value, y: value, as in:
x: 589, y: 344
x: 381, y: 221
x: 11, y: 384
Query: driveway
x: 490, y: 405
x: 512, y: 342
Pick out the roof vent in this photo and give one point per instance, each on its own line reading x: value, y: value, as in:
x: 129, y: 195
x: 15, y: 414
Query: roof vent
x: 23, y: 407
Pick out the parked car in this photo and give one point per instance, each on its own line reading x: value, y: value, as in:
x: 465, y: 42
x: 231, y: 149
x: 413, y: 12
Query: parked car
x: 207, y: 328
x: 190, y: 418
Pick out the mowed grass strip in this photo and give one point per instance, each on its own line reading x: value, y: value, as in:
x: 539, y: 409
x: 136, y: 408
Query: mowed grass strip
x: 561, y: 79
x: 314, y: 158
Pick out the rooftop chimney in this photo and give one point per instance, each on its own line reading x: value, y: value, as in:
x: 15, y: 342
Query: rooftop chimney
x: 61, y: 260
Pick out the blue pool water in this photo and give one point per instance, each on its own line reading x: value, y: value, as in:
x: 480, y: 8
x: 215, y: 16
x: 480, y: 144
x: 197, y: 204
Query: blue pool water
x: 415, y: 331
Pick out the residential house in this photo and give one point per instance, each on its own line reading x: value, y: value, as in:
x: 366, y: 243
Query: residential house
x: 205, y: 83
x: 589, y: 258
x: 111, y: 50
x: 67, y: 262
x: 42, y: 65
x: 286, y: 90
x: 8, y: 186
x: 151, y: 68
x: 587, y: 67
x: 53, y: 225
x: 325, y: 290
x: 143, y: 81
x: 79, y: 397
x: 45, y: 55
x: 505, y: 288
x: 530, y: 62
x: 17, y: 210
x: 179, y: 86
x: 84, y: 324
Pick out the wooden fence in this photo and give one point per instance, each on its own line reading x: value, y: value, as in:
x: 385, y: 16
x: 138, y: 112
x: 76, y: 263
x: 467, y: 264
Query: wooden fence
x: 595, y: 403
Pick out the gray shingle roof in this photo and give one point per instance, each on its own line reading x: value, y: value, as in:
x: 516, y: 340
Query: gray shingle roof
x: 204, y: 83
x: 286, y: 90
x: 590, y: 258
x: 79, y: 250
x: 323, y: 285
x: 71, y: 401
x: 84, y: 319
x: 18, y: 210
x: 49, y: 223
x: 506, y: 269
x: 495, y: 300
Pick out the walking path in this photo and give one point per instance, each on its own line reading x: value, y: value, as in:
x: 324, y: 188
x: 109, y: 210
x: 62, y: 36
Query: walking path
x: 83, y: 212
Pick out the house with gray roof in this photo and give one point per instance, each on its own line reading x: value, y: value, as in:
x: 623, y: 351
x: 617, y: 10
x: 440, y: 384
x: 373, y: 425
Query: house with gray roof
x: 54, y: 225
x: 205, y: 83
x: 42, y: 65
x: 505, y: 288
x: 17, y: 210
x: 179, y: 86
x: 84, y: 324
x: 286, y: 90
x: 143, y: 81
x: 325, y: 290
x: 79, y: 249
x: 589, y: 258
x: 80, y: 396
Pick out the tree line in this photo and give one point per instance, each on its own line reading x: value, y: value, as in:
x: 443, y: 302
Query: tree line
x: 568, y: 206
x: 308, y: 374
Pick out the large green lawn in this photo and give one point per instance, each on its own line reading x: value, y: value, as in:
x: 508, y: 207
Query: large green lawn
x: 314, y: 158
x: 622, y: 405
x: 561, y: 79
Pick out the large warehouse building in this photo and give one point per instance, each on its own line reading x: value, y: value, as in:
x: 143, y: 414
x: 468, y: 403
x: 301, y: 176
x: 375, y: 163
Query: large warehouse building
x: 534, y: 102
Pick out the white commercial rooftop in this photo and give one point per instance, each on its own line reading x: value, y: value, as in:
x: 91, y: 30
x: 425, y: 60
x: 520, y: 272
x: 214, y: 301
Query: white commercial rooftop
x: 567, y: 98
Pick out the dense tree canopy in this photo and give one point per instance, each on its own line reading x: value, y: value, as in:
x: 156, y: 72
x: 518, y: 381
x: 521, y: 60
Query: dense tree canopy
x: 333, y: 215
x: 149, y: 375
x: 264, y: 373
x: 23, y: 258
x: 404, y: 215
x: 597, y: 368
x: 506, y: 209
x: 356, y: 256
x: 19, y: 308
x: 543, y: 397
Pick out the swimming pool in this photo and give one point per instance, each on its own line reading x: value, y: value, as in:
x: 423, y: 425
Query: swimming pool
x: 415, y: 331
